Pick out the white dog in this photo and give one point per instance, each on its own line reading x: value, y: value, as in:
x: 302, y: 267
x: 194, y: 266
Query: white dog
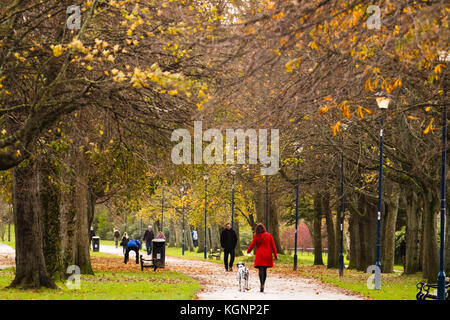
x: 242, y: 275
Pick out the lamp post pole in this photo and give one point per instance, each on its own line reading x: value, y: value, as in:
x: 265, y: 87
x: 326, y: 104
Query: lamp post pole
x: 444, y: 57
x: 383, y: 101
x: 267, y: 204
x: 296, y: 226
x: 233, y: 172
x: 341, y: 254
x: 298, y: 149
x: 182, y: 241
x: 162, y: 211
x: 205, y: 177
x: 380, y: 195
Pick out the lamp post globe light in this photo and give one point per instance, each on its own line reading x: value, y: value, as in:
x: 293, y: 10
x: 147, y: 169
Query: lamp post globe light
x: 297, y: 150
x: 444, y: 57
x: 341, y: 253
x: 183, y: 236
x: 383, y: 101
x: 205, y: 178
x: 233, y: 174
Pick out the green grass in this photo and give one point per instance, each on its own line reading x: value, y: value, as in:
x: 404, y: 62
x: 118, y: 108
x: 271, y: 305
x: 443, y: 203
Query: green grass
x: 110, y: 285
x: 11, y: 243
x: 394, y: 286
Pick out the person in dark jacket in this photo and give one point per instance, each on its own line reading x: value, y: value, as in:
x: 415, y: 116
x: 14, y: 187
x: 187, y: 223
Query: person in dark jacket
x: 124, y: 242
x: 148, y: 237
x: 228, y: 241
x: 134, y: 245
x: 116, y: 237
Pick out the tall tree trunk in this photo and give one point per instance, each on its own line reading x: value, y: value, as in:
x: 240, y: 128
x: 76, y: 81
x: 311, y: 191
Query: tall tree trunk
x: 413, y: 232
x: 317, y: 226
x: 172, y: 236
x: 31, y: 270
x: 201, y: 239
x: 331, y: 236
x: 78, y: 208
x: 188, y: 234
x: 178, y: 234
x: 389, y: 236
x: 273, y: 225
x: 355, y: 243
x: 49, y: 199
x: 430, y: 249
x: 83, y: 202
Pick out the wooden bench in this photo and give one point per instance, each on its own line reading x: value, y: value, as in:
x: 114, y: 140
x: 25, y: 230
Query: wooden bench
x: 150, y: 263
x: 424, y: 290
x: 215, y: 253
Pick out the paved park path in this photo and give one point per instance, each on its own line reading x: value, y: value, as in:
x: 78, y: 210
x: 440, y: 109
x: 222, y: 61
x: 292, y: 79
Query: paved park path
x: 7, y: 256
x: 220, y: 285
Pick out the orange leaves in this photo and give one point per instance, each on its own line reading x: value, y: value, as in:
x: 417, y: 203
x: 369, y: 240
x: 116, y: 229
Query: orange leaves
x: 386, y: 84
x: 323, y: 110
x: 413, y: 118
x: 368, y: 86
x: 345, y: 108
x: 360, y: 111
x: 336, y: 128
x: 278, y: 16
x: 429, y: 128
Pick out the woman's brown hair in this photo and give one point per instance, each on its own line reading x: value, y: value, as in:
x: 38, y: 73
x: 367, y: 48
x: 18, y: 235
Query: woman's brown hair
x: 260, y: 228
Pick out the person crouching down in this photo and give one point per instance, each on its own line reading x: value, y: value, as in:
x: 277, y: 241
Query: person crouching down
x: 134, y: 245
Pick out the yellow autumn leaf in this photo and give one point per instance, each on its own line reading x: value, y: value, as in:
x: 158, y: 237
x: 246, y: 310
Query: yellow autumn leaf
x: 323, y: 110
x: 429, y: 127
x: 57, y: 50
x: 336, y: 128
x: 313, y: 45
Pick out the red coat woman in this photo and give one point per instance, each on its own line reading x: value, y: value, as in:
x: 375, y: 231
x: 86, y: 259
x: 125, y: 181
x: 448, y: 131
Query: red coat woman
x: 265, y: 247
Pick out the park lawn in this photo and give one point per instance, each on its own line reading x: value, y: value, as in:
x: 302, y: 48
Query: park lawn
x: 113, y: 280
x: 11, y: 243
x: 394, y: 286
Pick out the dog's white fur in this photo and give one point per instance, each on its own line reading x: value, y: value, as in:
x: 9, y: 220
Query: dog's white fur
x: 243, y: 275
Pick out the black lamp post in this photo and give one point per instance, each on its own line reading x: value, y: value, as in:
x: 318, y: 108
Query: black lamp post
x: 233, y: 173
x: 267, y: 204
x: 443, y: 57
x: 205, y: 178
x: 298, y: 150
x: 182, y: 241
x: 383, y: 102
x: 341, y: 253
x: 162, y: 210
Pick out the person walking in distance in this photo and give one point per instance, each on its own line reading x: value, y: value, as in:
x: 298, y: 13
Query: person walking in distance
x: 265, y: 247
x: 228, y: 241
x: 195, y: 238
x: 116, y: 237
x: 148, y: 237
x: 124, y: 242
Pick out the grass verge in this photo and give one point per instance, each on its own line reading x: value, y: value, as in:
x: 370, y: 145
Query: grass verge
x: 113, y: 280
